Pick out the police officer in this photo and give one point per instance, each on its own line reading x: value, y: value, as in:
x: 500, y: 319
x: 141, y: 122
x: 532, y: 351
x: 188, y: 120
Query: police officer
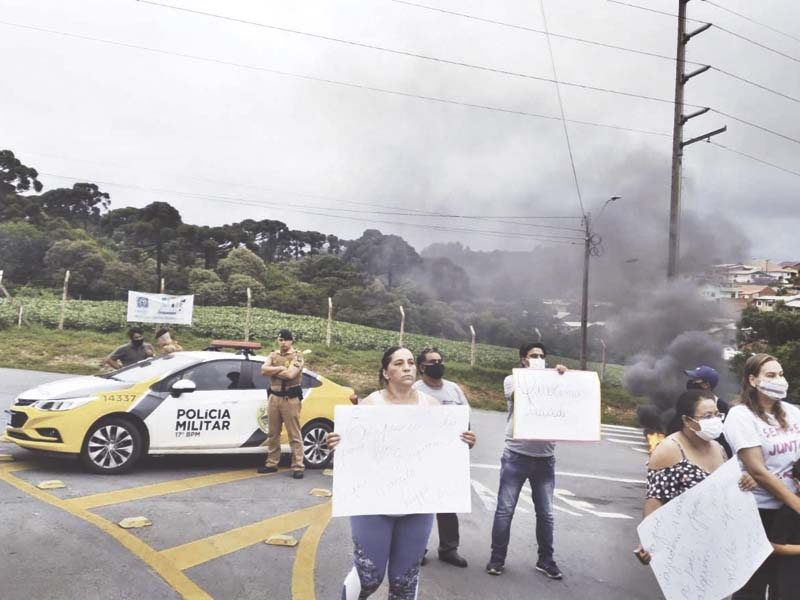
x: 285, y: 369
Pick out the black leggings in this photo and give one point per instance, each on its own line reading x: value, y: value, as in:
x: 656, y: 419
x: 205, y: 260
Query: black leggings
x: 766, y: 576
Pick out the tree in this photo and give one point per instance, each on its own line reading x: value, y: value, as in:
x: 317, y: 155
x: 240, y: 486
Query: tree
x: 382, y: 255
x: 82, y: 204
x: 84, y: 260
x: 447, y: 280
x: 16, y: 177
x: 22, y: 251
x: 237, y: 290
x: 242, y: 261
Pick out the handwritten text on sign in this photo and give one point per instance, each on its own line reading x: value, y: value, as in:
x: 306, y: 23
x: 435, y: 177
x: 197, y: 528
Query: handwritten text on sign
x: 549, y: 406
x: 707, y: 542
x: 401, y: 460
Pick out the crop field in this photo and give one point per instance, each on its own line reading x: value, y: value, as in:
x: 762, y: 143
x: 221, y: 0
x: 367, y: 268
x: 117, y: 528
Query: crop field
x: 221, y: 322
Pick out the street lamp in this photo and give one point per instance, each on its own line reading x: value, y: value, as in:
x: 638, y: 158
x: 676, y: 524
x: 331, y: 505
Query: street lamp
x: 590, y: 247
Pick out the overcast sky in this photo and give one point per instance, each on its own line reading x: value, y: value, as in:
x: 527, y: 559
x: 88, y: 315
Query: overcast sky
x: 155, y: 126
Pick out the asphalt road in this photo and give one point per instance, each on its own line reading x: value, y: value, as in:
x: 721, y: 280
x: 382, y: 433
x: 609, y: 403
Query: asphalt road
x: 211, y: 514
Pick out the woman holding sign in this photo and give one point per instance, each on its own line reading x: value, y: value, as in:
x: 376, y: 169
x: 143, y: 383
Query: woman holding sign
x: 687, y: 455
x: 396, y: 541
x: 764, y: 432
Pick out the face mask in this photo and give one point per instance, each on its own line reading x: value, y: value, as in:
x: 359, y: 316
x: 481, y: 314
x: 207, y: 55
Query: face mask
x: 774, y: 388
x: 137, y: 343
x: 536, y: 363
x: 435, y: 371
x: 710, y: 429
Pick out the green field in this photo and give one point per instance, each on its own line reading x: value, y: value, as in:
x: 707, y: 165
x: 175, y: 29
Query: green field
x: 93, y: 329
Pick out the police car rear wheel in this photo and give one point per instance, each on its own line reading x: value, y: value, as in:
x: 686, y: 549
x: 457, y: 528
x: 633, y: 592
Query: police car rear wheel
x: 112, y: 446
x: 315, y: 445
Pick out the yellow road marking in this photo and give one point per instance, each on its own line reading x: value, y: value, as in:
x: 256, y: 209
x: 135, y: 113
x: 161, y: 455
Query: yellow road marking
x: 306, y: 557
x: 161, y: 489
x: 168, y: 572
x: 203, y: 550
x: 15, y: 466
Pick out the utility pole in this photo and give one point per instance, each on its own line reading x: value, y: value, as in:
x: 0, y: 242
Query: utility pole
x: 587, y: 251
x: 678, y: 143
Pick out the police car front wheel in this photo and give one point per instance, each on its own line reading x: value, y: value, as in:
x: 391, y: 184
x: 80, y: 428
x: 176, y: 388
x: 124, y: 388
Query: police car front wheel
x: 112, y: 446
x: 315, y: 444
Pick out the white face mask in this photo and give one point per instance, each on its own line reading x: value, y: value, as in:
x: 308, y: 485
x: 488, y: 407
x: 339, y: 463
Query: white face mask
x: 774, y: 388
x: 535, y: 363
x: 710, y: 429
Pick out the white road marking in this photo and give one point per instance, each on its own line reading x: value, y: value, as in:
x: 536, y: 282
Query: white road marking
x: 568, y: 474
x: 623, y: 428
x: 588, y: 507
x: 622, y: 434
x: 640, y: 450
x: 631, y: 442
x: 488, y: 497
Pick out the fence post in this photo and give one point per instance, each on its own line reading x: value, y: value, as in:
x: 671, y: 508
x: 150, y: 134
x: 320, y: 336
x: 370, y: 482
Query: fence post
x: 64, y: 300
x: 472, y: 347
x: 538, y: 333
x: 3, y: 288
x: 247, y: 315
x: 603, y: 365
x: 402, y: 324
x: 330, y: 317
x: 19, y: 319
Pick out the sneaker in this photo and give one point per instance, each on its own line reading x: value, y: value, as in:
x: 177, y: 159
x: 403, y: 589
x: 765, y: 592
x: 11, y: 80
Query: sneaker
x: 549, y: 568
x: 494, y: 568
x: 266, y: 469
x: 297, y: 475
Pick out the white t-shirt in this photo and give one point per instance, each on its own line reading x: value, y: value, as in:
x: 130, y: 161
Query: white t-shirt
x: 780, y: 447
x: 378, y: 398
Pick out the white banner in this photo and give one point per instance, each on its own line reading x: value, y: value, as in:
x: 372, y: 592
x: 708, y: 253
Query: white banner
x: 397, y: 460
x: 707, y: 542
x: 160, y: 308
x: 549, y: 406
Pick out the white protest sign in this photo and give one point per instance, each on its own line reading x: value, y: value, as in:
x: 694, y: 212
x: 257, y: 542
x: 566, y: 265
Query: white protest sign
x: 550, y: 406
x: 401, y: 460
x: 160, y: 308
x: 707, y: 542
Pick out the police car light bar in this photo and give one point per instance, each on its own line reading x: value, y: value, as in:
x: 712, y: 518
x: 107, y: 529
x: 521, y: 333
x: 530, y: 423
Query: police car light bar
x: 243, y: 347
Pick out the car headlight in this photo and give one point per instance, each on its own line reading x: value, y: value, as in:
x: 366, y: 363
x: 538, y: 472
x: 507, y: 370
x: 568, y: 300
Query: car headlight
x: 58, y: 405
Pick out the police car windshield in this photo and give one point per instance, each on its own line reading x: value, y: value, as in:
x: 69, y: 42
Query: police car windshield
x: 152, y: 367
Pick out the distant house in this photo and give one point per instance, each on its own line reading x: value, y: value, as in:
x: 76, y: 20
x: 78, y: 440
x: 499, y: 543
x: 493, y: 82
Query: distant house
x: 767, y: 303
x: 793, y: 305
x: 718, y: 292
x: 750, y: 292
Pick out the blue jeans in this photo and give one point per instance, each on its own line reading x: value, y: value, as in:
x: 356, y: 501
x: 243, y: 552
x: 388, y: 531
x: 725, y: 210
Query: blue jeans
x: 384, y: 540
x: 515, y: 468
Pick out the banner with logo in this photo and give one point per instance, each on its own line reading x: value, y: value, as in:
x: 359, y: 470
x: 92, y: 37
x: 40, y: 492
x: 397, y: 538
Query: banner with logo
x: 160, y: 308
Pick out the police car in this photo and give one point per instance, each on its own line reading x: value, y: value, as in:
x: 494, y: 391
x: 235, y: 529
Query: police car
x: 205, y: 402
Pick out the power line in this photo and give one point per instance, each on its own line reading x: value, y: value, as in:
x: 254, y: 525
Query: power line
x: 719, y: 27
x: 561, y: 108
x: 596, y: 43
x: 407, y: 211
x: 328, y: 81
x: 755, y: 158
x: 756, y: 126
x: 533, y: 30
x: 751, y: 20
x: 409, y: 54
x: 506, y: 234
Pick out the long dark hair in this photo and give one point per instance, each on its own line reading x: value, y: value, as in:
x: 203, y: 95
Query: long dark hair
x: 385, y: 360
x: 749, y: 395
x: 684, y: 407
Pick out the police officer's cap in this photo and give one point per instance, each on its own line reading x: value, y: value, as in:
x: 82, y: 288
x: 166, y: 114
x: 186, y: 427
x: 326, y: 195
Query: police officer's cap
x: 285, y: 334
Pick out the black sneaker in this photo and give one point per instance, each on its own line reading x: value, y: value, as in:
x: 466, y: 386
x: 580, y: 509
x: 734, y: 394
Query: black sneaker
x: 297, y: 475
x: 266, y: 469
x: 549, y: 568
x: 453, y: 558
x: 494, y: 568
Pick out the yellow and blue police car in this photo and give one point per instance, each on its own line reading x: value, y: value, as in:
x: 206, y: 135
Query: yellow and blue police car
x: 204, y: 402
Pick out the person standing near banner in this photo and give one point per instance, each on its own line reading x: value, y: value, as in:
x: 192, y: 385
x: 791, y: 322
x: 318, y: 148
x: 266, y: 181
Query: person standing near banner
x: 523, y: 460
x: 165, y: 343
x: 396, y: 542
x: 764, y: 432
x: 130, y: 353
x: 430, y: 364
x: 284, y: 367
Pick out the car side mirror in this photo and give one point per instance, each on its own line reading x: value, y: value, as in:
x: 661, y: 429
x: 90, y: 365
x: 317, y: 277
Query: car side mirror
x: 182, y: 386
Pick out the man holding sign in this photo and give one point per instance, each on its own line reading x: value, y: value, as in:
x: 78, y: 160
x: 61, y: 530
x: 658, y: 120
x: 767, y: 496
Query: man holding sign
x: 525, y: 460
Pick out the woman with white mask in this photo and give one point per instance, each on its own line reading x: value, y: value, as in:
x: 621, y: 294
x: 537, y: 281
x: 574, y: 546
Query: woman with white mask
x: 687, y: 455
x: 764, y: 432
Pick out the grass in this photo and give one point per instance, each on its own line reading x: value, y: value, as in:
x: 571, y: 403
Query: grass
x: 80, y: 352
